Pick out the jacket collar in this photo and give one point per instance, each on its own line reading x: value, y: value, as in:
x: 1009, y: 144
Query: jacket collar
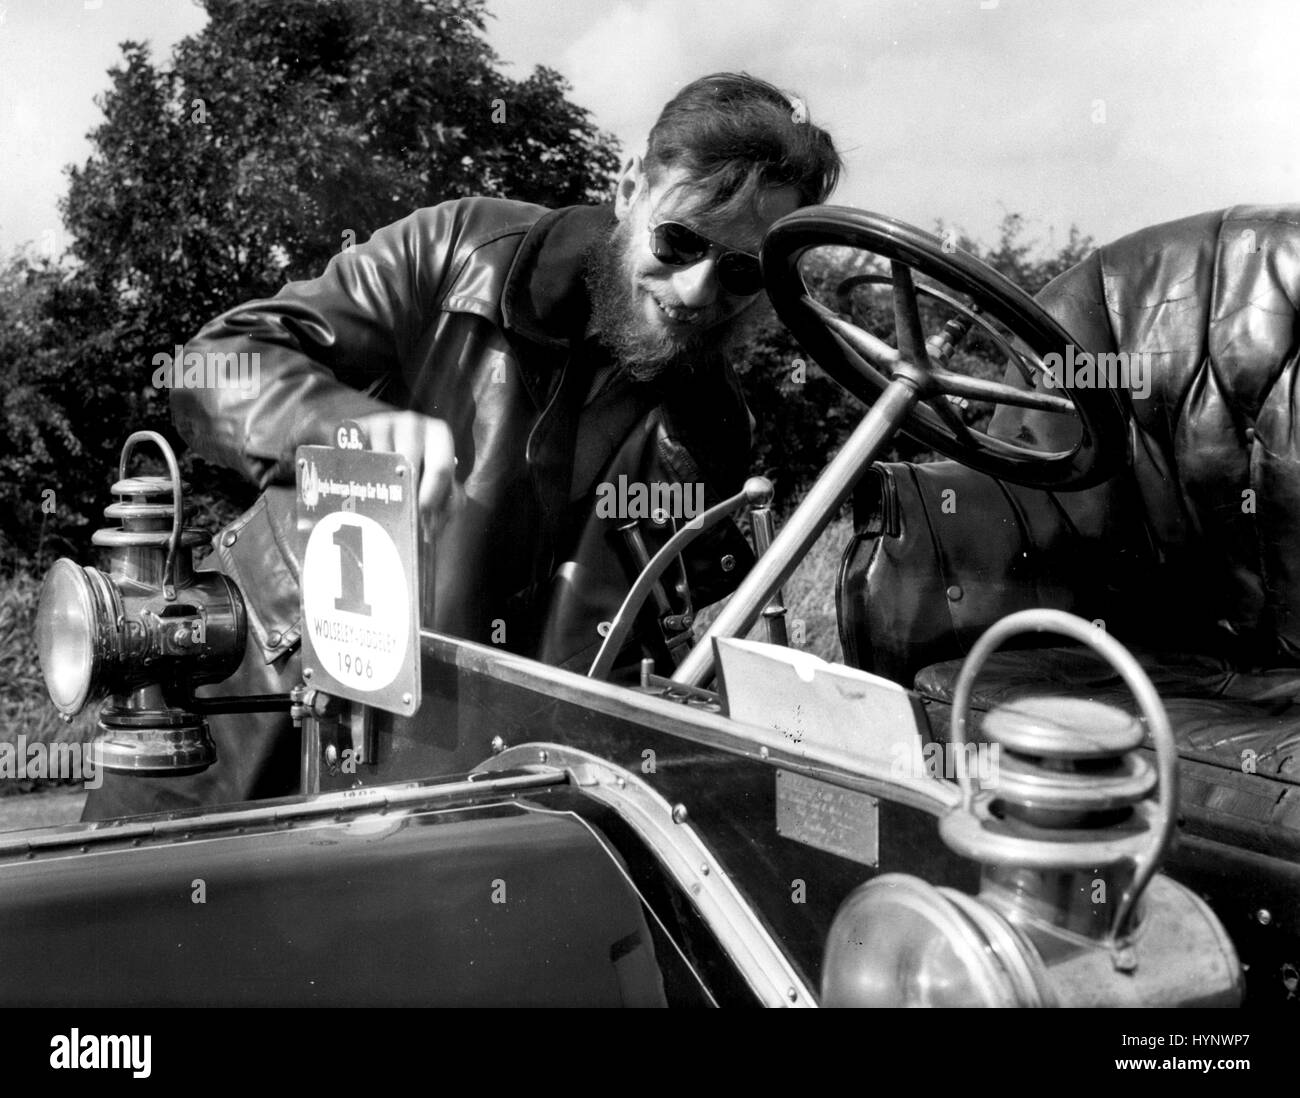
x: 545, y: 297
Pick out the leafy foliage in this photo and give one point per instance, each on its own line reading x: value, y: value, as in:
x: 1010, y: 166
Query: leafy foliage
x: 46, y: 466
x: 283, y: 131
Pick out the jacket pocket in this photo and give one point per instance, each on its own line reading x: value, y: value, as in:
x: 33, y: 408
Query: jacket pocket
x: 256, y: 551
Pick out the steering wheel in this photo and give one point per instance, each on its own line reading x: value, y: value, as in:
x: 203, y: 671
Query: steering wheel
x: 866, y: 365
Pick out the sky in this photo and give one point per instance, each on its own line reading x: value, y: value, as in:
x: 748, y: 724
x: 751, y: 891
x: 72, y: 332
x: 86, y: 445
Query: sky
x: 1106, y: 114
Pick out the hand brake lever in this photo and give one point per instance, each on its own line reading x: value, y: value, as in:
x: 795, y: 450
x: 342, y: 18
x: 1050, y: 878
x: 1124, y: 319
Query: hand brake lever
x: 676, y: 627
x: 757, y: 491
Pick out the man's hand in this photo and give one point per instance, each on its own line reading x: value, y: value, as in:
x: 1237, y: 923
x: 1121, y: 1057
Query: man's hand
x: 426, y: 443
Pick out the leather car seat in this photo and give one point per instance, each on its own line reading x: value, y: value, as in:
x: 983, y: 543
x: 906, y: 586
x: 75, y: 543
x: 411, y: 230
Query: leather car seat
x: 1191, y: 556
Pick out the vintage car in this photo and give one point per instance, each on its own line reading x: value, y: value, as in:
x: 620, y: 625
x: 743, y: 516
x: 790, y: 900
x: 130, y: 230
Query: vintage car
x: 991, y: 802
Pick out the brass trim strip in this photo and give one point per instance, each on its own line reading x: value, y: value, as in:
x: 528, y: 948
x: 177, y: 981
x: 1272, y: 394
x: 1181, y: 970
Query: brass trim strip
x: 735, y: 924
x: 694, y: 725
x: 348, y: 801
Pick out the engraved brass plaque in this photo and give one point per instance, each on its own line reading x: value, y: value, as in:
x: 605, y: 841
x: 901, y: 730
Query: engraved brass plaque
x: 824, y: 816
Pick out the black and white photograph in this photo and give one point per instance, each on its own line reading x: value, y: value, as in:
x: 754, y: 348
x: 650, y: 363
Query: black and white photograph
x: 650, y: 503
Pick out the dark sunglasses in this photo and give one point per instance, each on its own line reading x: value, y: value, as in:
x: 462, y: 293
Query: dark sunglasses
x: 679, y: 245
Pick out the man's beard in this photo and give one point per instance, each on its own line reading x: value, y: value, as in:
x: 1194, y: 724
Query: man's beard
x: 650, y: 352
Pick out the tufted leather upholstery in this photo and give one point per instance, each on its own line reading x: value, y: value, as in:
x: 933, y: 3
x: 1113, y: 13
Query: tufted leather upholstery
x: 1211, y: 302
x: 1192, y: 556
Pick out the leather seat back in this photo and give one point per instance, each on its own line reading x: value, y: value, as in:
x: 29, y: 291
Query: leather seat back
x: 1205, y: 310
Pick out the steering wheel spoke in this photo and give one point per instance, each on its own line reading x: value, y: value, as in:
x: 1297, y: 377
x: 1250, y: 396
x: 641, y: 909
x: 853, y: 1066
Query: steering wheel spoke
x: 977, y: 388
x: 872, y: 350
x: 907, y: 317
x: 951, y: 415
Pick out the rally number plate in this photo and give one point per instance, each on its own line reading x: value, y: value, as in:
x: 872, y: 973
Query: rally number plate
x: 360, y: 587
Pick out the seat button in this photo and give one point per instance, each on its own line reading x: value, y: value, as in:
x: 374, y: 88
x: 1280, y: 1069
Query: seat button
x: 230, y: 539
x: 273, y: 638
x: 955, y: 593
x: 728, y: 563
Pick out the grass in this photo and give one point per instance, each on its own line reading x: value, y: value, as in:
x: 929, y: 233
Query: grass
x: 809, y: 597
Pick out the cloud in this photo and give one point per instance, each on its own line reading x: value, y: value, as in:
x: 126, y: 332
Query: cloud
x: 611, y: 63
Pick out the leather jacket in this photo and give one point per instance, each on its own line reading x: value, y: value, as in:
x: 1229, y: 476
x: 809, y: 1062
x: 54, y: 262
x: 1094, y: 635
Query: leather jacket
x: 473, y: 311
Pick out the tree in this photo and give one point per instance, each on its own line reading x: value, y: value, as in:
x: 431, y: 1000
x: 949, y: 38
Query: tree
x: 37, y: 436
x: 1025, y: 262
x: 282, y: 132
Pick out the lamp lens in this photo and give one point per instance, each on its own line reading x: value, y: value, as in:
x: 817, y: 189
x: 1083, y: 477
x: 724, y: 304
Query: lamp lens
x: 898, y: 942
x: 65, y: 635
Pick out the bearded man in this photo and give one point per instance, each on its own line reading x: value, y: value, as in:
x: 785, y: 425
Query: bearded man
x: 519, y: 358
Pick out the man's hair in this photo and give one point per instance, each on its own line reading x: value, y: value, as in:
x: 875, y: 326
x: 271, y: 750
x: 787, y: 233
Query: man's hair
x: 735, y: 135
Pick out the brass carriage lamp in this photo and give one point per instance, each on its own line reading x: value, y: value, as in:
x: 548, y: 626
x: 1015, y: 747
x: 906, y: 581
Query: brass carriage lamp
x: 142, y: 629
x: 1070, y: 910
